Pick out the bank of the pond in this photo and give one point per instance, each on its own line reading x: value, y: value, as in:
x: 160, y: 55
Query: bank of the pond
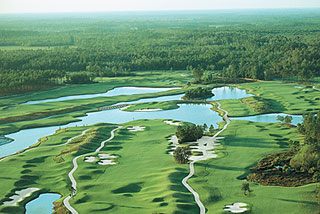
x: 42, y: 204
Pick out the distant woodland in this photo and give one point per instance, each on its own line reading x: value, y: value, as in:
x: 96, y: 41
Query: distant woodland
x: 40, y: 51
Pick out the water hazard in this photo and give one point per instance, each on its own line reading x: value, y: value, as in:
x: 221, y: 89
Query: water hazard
x: 43, y: 204
x: 114, y: 92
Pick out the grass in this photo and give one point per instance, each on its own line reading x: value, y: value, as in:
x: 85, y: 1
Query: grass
x: 13, y: 48
x: 38, y: 168
x: 218, y: 180
x: 145, y: 180
x: 153, y: 105
x: 143, y: 79
x: 11, y: 112
x: 28, y: 116
x: 280, y: 96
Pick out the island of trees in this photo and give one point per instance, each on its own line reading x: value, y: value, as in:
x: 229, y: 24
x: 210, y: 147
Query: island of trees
x: 198, y: 93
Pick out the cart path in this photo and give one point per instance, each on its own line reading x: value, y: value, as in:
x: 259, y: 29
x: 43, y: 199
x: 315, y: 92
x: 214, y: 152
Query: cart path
x: 75, y: 166
x: 191, y: 166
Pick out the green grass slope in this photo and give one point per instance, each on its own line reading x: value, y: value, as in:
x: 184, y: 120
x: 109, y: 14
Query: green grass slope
x: 280, y: 96
x: 218, y: 180
x: 145, y: 179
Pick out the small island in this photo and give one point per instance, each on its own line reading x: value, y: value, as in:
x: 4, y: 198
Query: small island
x: 5, y: 140
x: 198, y: 93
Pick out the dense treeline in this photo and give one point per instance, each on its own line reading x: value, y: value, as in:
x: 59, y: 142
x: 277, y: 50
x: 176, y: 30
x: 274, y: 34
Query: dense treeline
x: 198, y: 92
x: 300, y: 165
x: 307, y: 158
x: 189, y: 133
x: 240, y: 49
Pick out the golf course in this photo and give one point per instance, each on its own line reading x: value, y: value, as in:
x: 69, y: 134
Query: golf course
x: 127, y: 167
x: 172, y: 112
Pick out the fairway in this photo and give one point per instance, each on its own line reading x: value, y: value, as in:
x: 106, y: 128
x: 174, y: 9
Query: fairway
x: 159, y: 107
x: 218, y: 181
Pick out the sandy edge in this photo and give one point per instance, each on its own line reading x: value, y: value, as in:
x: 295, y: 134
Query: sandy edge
x: 19, y: 196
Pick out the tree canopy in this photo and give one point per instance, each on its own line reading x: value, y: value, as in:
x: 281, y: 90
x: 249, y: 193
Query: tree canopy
x: 45, y: 52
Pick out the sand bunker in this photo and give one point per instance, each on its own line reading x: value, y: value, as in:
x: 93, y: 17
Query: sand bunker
x: 90, y: 159
x: 236, y: 207
x: 298, y: 87
x: 106, y: 162
x: 105, y: 156
x: 172, y: 123
x: 148, y: 109
x: 174, y: 144
x: 19, y: 196
x: 136, y: 128
x: 205, y: 145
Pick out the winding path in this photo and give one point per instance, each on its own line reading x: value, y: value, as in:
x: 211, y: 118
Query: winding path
x: 75, y: 166
x: 191, y: 166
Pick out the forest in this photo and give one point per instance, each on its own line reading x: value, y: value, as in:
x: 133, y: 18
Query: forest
x: 252, y: 46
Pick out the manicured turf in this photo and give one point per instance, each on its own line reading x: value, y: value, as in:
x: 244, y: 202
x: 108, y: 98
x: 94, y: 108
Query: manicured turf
x: 45, y: 167
x: 145, y: 180
x: 245, y: 143
x: 154, y: 105
x: 143, y: 79
x: 13, y: 112
x: 282, y: 97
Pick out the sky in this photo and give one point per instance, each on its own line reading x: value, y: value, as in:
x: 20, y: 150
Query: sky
x: 46, y: 6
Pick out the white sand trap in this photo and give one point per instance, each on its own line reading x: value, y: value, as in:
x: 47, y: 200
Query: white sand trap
x: 136, y: 128
x: 90, y: 159
x: 174, y: 144
x: 298, y: 87
x: 106, y: 162
x: 205, y: 145
x: 105, y: 156
x: 172, y: 123
x: 305, y: 90
x: 236, y: 207
x: 148, y: 110
x: 19, y: 196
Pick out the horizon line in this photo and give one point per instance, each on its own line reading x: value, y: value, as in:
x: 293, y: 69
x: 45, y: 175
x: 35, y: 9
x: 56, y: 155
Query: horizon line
x: 151, y: 10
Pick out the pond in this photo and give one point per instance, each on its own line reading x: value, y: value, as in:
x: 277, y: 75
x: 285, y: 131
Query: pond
x: 43, y: 204
x: 270, y: 118
x: 225, y: 93
x: 114, y: 92
x: 194, y: 113
x: 185, y: 112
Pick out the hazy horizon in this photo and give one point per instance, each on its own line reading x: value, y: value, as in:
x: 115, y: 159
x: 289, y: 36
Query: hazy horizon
x: 60, y: 6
